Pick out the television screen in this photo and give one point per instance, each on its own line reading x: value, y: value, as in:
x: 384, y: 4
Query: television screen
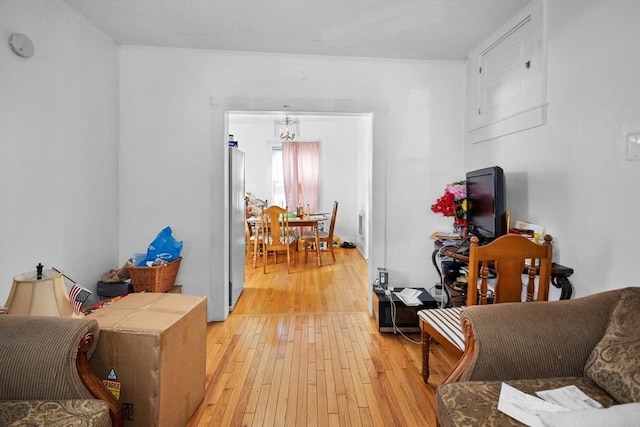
x: 486, y: 203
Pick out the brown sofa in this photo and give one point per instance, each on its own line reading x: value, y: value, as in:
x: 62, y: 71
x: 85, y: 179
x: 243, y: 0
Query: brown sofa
x: 45, y: 377
x: 591, y: 342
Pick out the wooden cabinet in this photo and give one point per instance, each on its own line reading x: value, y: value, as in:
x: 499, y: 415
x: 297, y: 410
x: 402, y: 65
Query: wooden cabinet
x: 506, y: 78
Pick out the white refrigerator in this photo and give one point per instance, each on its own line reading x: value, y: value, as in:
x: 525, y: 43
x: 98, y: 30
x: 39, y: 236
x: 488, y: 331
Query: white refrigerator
x: 237, y: 220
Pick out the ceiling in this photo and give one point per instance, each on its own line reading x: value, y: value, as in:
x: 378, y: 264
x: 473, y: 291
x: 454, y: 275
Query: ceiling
x: 400, y: 29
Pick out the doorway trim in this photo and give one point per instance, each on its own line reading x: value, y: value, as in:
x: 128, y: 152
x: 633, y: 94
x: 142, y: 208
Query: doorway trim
x: 377, y: 230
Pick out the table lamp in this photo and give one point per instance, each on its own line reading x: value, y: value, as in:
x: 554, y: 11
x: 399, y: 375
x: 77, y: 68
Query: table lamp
x: 40, y: 293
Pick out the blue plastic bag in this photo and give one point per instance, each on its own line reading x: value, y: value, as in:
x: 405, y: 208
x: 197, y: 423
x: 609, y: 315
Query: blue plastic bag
x: 164, y: 248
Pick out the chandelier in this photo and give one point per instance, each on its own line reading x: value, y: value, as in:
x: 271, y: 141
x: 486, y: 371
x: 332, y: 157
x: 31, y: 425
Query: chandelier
x: 287, y: 128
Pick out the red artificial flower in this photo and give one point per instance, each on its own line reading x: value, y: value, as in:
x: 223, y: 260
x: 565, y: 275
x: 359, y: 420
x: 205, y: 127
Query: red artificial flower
x: 446, y: 205
x: 453, y: 203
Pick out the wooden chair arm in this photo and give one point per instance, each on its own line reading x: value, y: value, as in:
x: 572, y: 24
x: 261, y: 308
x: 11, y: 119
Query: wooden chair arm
x: 467, y: 356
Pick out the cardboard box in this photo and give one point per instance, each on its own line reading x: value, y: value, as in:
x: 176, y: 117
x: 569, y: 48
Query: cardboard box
x: 155, y: 346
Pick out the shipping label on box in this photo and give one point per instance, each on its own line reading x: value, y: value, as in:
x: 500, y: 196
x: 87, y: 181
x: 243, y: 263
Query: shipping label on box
x: 114, y: 387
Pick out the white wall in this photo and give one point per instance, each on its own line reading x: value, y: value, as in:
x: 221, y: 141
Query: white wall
x: 59, y: 124
x: 58, y: 145
x: 173, y: 155
x: 338, y: 161
x: 364, y: 180
x: 571, y: 174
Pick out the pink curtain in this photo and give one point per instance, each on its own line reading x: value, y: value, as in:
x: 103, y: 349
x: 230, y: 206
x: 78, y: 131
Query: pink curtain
x: 300, y: 164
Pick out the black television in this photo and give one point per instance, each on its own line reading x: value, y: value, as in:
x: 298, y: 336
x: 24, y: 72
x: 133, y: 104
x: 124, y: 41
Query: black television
x: 486, y: 204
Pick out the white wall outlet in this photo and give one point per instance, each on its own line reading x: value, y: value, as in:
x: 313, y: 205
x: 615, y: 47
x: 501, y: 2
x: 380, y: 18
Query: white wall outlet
x: 633, y: 146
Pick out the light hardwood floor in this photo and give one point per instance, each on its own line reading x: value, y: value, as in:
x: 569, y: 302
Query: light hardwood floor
x: 300, y: 349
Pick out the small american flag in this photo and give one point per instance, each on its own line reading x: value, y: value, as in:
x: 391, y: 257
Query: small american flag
x: 78, y: 295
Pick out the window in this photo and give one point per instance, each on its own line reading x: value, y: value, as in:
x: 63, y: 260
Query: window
x: 277, y: 177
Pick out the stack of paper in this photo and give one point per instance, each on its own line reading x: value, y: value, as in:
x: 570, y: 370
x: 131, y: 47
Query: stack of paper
x: 526, y: 408
x: 409, y: 296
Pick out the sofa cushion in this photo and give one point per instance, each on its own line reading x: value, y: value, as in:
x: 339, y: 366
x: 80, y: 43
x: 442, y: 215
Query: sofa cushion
x: 51, y: 413
x: 614, y: 364
x: 618, y: 415
x: 475, y: 403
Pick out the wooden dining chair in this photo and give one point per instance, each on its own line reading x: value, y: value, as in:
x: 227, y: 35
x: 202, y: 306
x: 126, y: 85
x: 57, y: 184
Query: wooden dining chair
x: 276, y: 235
x: 323, y: 236
x: 253, y: 237
x: 509, y: 259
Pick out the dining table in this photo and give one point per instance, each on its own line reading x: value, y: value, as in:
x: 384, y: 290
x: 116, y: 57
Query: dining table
x: 294, y: 221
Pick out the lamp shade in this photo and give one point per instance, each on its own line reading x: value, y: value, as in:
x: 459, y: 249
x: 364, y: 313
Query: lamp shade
x: 45, y: 296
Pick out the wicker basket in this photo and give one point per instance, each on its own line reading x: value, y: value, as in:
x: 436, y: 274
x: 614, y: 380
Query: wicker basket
x: 154, y: 279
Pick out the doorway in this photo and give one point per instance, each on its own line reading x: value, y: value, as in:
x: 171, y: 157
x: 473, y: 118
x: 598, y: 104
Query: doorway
x: 344, y: 140
x: 374, y: 160
x: 345, y: 145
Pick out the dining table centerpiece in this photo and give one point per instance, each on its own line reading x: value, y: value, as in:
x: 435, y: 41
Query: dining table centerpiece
x: 453, y: 203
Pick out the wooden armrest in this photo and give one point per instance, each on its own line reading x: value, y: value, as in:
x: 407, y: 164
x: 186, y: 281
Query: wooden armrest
x: 93, y: 383
x: 467, y: 357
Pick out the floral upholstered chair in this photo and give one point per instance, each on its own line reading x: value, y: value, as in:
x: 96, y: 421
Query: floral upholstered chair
x: 592, y: 343
x: 45, y: 379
